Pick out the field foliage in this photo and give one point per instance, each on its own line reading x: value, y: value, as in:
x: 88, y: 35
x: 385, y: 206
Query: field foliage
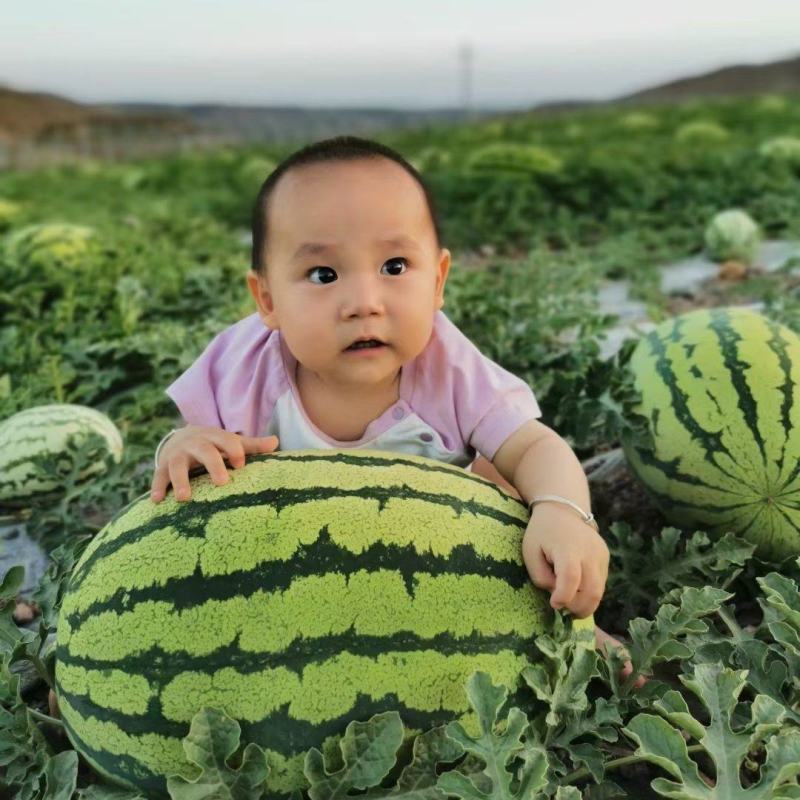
x: 538, y: 211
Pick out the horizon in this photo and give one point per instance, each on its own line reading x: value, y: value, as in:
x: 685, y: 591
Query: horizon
x: 196, y: 53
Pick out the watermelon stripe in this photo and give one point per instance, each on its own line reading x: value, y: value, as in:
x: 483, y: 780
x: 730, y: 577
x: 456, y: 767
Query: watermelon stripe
x: 182, y: 593
x: 108, y: 688
x: 119, y: 764
x: 664, y: 498
x: 171, y: 664
x: 729, y: 339
x: 669, y: 469
x: 280, y: 727
x: 191, y: 518
x: 122, y: 766
x: 778, y: 344
x: 710, y: 442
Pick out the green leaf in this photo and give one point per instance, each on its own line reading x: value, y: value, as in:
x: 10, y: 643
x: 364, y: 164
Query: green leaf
x: 212, y: 739
x: 23, y: 752
x: 607, y: 790
x: 10, y: 633
x: 767, y: 673
x: 61, y: 772
x: 781, y: 604
x: 568, y: 793
x: 418, y: 779
x: 659, y: 640
x: 102, y: 791
x: 560, y: 677
x: 560, y: 680
x: 495, y: 750
x: 369, y: 751
x: 661, y: 742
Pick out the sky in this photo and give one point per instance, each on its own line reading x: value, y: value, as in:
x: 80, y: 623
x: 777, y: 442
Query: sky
x: 368, y: 53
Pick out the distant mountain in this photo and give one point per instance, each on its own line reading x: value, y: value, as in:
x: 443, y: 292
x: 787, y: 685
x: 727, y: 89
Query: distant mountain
x: 777, y: 76
x: 282, y: 123
x: 26, y: 113
x: 61, y: 124
x: 36, y: 114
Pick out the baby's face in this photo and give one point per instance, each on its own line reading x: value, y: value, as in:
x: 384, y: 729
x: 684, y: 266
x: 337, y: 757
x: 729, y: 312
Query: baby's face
x: 380, y: 274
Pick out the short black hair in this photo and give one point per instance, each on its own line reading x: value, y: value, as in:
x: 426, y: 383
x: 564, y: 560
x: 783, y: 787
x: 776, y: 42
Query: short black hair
x: 338, y: 148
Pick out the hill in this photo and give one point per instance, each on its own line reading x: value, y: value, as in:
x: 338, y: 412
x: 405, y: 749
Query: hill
x: 37, y: 114
x: 777, y: 76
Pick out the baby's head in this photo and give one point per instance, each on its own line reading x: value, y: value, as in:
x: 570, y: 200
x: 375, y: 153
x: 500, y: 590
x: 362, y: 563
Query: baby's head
x: 346, y: 244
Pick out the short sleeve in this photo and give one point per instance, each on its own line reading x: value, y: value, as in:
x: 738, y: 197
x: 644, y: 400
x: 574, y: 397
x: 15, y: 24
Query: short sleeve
x: 515, y: 406
x: 194, y: 391
x: 234, y: 382
x: 474, y: 401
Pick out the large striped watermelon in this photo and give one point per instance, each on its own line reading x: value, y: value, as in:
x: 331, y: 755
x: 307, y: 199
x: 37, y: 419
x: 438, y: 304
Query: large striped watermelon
x: 36, y: 435
x: 317, y: 587
x: 720, y: 390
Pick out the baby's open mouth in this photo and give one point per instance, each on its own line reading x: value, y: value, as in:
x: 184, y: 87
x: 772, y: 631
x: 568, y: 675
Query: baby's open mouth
x: 365, y: 344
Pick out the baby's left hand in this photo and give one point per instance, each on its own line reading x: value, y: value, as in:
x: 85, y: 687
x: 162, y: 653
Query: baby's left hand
x: 566, y: 556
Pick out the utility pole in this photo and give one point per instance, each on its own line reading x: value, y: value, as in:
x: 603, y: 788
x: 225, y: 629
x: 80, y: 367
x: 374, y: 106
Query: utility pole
x: 465, y: 55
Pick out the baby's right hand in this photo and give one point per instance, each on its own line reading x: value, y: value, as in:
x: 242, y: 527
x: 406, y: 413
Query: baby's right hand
x: 199, y: 445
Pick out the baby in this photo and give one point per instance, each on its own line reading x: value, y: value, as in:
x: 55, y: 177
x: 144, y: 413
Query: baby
x: 350, y: 348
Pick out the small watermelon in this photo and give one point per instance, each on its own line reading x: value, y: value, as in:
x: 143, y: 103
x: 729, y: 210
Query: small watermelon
x: 36, y: 435
x: 315, y: 588
x: 48, y: 247
x: 525, y: 160
x: 720, y: 391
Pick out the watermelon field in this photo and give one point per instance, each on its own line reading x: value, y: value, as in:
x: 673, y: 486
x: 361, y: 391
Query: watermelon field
x: 452, y: 678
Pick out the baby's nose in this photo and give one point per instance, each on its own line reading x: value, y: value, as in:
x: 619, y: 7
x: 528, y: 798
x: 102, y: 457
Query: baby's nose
x: 365, y: 297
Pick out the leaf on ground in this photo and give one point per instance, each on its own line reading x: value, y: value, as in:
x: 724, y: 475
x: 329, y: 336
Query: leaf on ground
x: 51, y: 588
x: 607, y: 790
x: 568, y: 793
x: 12, y: 582
x: 212, y: 739
x: 369, y: 751
x: 644, y: 568
x: 560, y: 679
x: 767, y: 673
x: 103, y: 791
x: 61, y: 772
x: 418, y: 779
x: 23, y: 752
x: 781, y: 605
x: 653, y: 641
x: 496, y: 749
x: 663, y: 740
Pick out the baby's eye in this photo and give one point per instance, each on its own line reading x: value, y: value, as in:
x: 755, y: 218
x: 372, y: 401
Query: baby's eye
x: 313, y: 270
x: 396, y: 259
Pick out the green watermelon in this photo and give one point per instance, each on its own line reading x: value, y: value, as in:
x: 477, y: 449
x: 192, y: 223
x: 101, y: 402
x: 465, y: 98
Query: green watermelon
x: 45, y: 432
x: 315, y: 588
x: 502, y: 158
x: 719, y: 391
x: 48, y: 247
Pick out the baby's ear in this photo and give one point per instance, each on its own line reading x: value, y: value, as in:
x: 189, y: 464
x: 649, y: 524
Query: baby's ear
x: 263, y: 297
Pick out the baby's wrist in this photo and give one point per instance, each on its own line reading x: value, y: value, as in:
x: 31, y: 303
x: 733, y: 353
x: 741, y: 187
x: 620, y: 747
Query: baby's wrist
x: 162, y: 443
x: 567, y: 504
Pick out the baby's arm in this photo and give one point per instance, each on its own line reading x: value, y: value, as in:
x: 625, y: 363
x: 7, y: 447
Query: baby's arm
x: 201, y: 445
x: 483, y: 467
x: 563, y: 553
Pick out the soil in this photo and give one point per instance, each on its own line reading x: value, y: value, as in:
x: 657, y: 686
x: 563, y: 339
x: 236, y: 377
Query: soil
x: 617, y: 495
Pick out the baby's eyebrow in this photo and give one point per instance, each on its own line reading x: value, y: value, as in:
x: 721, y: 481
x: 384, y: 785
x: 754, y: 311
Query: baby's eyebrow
x: 318, y: 248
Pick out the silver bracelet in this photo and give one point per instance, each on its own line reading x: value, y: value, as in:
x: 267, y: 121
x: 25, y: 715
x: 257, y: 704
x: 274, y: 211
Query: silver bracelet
x: 588, y: 518
x: 162, y: 443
